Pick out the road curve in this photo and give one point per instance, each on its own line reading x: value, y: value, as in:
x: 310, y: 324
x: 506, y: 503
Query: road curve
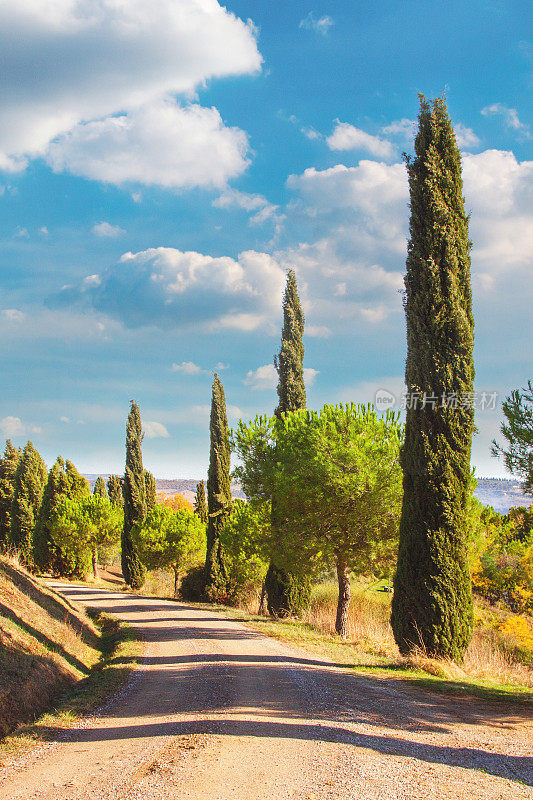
x: 219, y: 712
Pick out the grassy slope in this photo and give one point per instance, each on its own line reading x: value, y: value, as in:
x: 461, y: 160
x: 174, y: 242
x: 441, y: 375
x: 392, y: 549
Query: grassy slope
x: 51, y: 650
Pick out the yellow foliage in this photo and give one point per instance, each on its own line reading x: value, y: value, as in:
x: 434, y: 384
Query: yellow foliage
x: 177, y: 502
x: 520, y: 628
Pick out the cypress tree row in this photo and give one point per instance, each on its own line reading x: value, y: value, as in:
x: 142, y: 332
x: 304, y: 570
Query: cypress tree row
x: 150, y: 490
x: 114, y: 490
x: 287, y: 593
x: 432, y: 603
x: 218, y: 490
x: 100, y: 489
x: 8, y: 471
x: 133, y: 570
x: 29, y: 484
x: 200, y: 505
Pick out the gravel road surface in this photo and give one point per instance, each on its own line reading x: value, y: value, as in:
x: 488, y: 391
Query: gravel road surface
x: 217, y: 711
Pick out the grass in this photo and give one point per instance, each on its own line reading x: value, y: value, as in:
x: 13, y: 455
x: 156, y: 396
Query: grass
x: 53, y: 655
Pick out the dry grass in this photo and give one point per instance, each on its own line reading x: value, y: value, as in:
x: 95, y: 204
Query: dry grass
x: 46, y: 645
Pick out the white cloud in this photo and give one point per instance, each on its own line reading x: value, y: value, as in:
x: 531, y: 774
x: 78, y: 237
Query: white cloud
x: 169, y: 288
x: 187, y: 368
x: 66, y: 420
x: 262, y: 378
x: 348, y: 137
x: 155, y: 430
x: 318, y: 331
x: 465, y: 137
x: 404, y: 129
x: 161, y: 143
x: 14, y: 426
x: 107, y: 231
x: 106, y: 58
x: 318, y: 24
x: 13, y: 314
x: 309, y: 376
x: 266, y: 378
x: 21, y: 233
x: 43, y: 230
x: 374, y: 315
x: 263, y: 209
x: 510, y: 118
x: 91, y: 281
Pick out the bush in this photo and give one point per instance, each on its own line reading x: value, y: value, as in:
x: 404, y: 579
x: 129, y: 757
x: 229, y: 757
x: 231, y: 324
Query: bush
x: 192, y: 584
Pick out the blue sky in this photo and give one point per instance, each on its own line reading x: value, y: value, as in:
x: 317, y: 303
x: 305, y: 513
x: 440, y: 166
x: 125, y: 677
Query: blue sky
x: 163, y: 163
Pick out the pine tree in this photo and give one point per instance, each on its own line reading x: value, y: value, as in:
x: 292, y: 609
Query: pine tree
x: 100, y: 489
x: 114, y: 490
x: 8, y: 471
x: 29, y: 484
x: 286, y: 593
x: 218, y: 490
x: 432, y: 604
x: 133, y: 570
x: 200, y: 505
x: 150, y: 490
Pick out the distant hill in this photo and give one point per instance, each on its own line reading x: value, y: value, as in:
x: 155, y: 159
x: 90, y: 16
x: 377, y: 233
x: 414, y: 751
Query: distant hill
x: 183, y: 486
x: 500, y: 493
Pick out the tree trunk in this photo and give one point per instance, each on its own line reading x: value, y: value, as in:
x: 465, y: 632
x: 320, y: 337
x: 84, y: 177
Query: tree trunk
x: 343, y: 604
x: 262, y: 603
x: 95, y: 563
x: 176, y: 582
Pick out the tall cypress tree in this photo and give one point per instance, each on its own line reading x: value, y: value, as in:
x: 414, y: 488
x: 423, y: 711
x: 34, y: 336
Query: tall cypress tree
x: 8, y: 471
x: 432, y: 603
x: 133, y: 569
x: 200, y: 505
x: 43, y: 545
x: 114, y: 490
x: 286, y: 593
x: 218, y: 490
x: 100, y: 488
x: 29, y: 484
x: 150, y: 489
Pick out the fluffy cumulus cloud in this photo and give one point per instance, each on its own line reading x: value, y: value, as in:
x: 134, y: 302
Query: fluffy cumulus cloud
x: 77, y: 62
x: 107, y: 231
x: 348, y: 137
x: 162, y: 143
x: 265, y: 378
x: 14, y: 426
x: 155, y: 430
x: 187, y: 368
x: 169, y: 288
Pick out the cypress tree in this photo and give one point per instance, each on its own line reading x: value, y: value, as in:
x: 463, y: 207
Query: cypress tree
x: 8, y: 472
x: 100, y: 488
x: 29, y: 484
x: 43, y: 545
x: 200, y: 505
x: 150, y: 490
x: 134, y: 493
x: 218, y: 490
x: 287, y: 593
x: 432, y: 603
x: 64, y: 480
x: 114, y: 490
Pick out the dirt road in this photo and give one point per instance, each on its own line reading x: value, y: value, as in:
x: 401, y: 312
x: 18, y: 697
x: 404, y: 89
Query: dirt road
x: 219, y: 712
